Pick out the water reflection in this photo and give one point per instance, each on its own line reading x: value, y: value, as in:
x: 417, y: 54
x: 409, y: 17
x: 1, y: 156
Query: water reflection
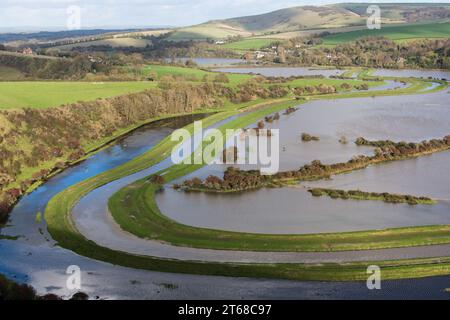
x: 293, y: 210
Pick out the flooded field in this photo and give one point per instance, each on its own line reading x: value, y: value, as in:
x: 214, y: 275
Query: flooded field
x: 435, y: 74
x: 405, y: 118
x: 284, y: 71
x: 34, y: 257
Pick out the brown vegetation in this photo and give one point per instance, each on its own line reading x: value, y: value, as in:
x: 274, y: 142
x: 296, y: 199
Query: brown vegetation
x: 58, y: 135
x: 361, y: 195
x: 307, y: 137
x: 237, y: 180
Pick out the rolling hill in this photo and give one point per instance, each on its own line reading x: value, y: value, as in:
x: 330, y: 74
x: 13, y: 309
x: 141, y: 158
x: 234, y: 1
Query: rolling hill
x: 398, y: 33
x: 318, y: 18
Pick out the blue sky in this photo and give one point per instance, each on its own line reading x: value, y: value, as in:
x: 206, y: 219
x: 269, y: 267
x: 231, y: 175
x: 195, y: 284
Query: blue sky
x: 47, y: 14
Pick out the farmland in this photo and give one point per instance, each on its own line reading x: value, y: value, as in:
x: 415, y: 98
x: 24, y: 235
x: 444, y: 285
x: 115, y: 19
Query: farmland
x: 41, y: 94
x: 250, y: 44
x: 398, y: 33
x: 113, y: 42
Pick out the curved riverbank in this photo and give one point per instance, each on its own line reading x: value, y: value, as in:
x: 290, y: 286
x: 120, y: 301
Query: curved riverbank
x: 153, y: 262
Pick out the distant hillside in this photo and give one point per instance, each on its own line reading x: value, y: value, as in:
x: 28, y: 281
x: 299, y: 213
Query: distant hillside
x: 398, y: 33
x: 311, y: 17
x: 404, y: 12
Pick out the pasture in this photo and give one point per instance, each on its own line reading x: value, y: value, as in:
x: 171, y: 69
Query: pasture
x: 42, y: 94
x: 249, y: 44
x: 397, y: 33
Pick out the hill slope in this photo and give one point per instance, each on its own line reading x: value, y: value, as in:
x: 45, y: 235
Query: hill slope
x: 311, y: 17
x: 399, y: 32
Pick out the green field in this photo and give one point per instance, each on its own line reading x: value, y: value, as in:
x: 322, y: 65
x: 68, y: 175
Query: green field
x: 249, y: 44
x: 403, y: 32
x: 41, y: 94
x: 195, y: 74
x: 164, y: 70
x: 113, y: 42
x: 210, y: 30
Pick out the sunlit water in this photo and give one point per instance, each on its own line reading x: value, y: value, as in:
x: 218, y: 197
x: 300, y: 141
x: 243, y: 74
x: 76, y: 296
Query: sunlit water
x: 35, y: 259
x: 284, y: 71
x: 294, y: 210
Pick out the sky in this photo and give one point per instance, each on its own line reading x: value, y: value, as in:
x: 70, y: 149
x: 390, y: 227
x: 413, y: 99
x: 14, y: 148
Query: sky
x: 55, y: 14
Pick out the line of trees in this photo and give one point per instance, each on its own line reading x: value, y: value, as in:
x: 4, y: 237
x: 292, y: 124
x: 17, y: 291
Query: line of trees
x: 239, y: 180
x: 376, y: 52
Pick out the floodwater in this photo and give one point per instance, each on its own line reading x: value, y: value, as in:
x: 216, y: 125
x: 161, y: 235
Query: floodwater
x: 284, y: 71
x: 35, y: 259
x: 402, y: 118
x: 211, y: 62
x: 435, y: 74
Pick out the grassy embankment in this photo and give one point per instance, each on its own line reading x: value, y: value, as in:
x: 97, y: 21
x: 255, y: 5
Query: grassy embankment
x: 148, y: 221
x: 136, y: 211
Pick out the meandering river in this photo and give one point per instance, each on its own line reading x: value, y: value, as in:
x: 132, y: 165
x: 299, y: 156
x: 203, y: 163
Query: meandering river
x: 34, y: 258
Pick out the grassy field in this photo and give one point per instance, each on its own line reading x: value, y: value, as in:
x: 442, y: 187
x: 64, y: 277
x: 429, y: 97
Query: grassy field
x: 40, y: 94
x: 197, y: 74
x: 400, y: 33
x: 113, y: 42
x: 163, y: 70
x: 249, y: 44
x: 45, y: 94
x: 211, y: 30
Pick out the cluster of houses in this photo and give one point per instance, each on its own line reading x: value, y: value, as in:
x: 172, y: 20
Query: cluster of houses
x: 28, y: 51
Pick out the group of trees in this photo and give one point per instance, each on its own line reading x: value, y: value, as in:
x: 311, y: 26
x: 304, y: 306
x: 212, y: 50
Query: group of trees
x: 37, y: 67
x: 361, y: 195
x: 162, y: 47
x: 319, y: 89
x: 377, y: 52
x: 239, y: 180
x: 306, y: 137
x: 254, y: 89
x: 234, y: 179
